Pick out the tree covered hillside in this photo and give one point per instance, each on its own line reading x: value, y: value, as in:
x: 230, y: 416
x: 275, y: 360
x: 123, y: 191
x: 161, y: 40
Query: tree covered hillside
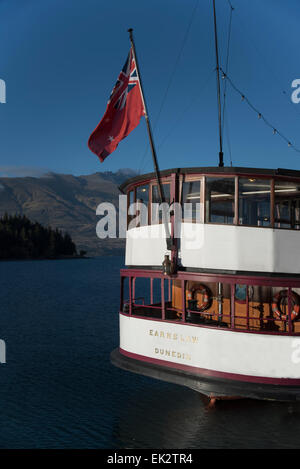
x: 68, y: 203
x: 20, y: 238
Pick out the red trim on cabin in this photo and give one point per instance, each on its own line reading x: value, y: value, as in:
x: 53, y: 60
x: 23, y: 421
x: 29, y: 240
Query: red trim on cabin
x: 256, y: 280
x: 281, y: 174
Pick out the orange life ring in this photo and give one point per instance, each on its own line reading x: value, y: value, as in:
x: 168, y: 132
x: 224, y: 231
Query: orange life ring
x: 276, y: 305
x: 207, y: 297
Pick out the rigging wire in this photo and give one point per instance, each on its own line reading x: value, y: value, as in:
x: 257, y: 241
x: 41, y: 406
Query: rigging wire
x: 226, y: 71
x: 193, y: 101
x: 259, y: 114
x: 275, y: 75
x: 172, y: 74
x: 177, y: 62
x: 228, y: 138
x: 266, y: 65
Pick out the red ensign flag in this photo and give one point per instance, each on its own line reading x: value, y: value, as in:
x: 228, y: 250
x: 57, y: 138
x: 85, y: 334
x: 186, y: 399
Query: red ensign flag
x: 123, y: 113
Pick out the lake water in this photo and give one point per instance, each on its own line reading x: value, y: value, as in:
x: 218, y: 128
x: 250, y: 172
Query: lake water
x: 59, y: 320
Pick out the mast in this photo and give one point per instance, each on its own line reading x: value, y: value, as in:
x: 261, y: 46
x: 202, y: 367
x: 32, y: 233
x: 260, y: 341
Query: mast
x: 221, y: 162
x: 153, y: 151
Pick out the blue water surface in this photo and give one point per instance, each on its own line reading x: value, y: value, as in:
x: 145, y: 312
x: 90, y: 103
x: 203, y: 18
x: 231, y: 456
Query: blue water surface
x: 59, y: 320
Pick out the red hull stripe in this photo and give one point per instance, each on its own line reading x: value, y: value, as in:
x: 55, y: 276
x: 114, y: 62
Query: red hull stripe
x: 212, y: 373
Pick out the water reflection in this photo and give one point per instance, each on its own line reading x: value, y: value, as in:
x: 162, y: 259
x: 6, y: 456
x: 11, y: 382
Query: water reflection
x: 168, y: 416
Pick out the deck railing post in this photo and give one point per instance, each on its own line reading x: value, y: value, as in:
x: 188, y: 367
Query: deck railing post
x: 247, y: 307
x: 183, y: 286
x: 133, y: 289
x: 130, y: 295
x: 163, y: 306
x: 121, y: 293
x: 232, y: 306
x: 290, y: 323
x: 151, y: 291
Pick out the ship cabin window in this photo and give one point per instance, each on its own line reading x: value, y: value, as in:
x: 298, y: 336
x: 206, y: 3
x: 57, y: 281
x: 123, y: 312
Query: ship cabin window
x: 190, y: 200
x: 131, y: 209
x: 254, y: 202
x: 219, y: 200
x: 138, y: 201
x: 157, y: 211
x: 287, y: 205
x: 232, y: 200
x: 142, y: 202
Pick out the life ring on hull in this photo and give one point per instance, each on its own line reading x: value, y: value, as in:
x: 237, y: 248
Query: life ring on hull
x: 207, y: 296
x: 277, y: 299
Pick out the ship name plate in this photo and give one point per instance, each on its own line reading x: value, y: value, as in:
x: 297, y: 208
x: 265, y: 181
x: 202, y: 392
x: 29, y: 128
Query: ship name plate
x: 168, y: 336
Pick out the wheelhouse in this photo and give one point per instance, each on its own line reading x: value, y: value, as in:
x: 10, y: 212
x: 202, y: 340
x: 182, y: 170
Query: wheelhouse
x: 226, y: 196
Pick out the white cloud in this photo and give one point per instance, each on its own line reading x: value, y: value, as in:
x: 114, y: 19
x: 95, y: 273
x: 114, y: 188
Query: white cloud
x: 22, y: 171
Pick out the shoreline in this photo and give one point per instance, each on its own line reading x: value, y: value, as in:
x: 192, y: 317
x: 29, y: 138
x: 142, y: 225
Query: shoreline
x: 46, y: 258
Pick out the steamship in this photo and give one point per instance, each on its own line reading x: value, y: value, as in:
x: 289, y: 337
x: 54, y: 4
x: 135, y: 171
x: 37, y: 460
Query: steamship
x: 213, y: 302
x: 220, y: 314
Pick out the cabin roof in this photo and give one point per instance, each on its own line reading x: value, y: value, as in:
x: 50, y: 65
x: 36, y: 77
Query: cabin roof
x: 212, y: 170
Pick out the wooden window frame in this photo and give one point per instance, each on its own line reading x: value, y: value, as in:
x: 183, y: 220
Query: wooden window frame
x: 193, y: 178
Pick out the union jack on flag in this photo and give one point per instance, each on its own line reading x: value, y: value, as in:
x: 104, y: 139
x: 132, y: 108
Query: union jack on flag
x: 128, y: 79
x: 123, y: 112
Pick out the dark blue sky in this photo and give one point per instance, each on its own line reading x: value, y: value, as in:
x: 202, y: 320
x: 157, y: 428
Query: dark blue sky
x: 60, y: 60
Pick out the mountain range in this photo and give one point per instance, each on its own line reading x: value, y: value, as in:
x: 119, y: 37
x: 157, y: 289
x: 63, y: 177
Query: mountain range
x: 68, y: 203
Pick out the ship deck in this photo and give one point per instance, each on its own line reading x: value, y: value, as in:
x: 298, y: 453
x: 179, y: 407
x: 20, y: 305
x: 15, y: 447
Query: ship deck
x: 235, y: 302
